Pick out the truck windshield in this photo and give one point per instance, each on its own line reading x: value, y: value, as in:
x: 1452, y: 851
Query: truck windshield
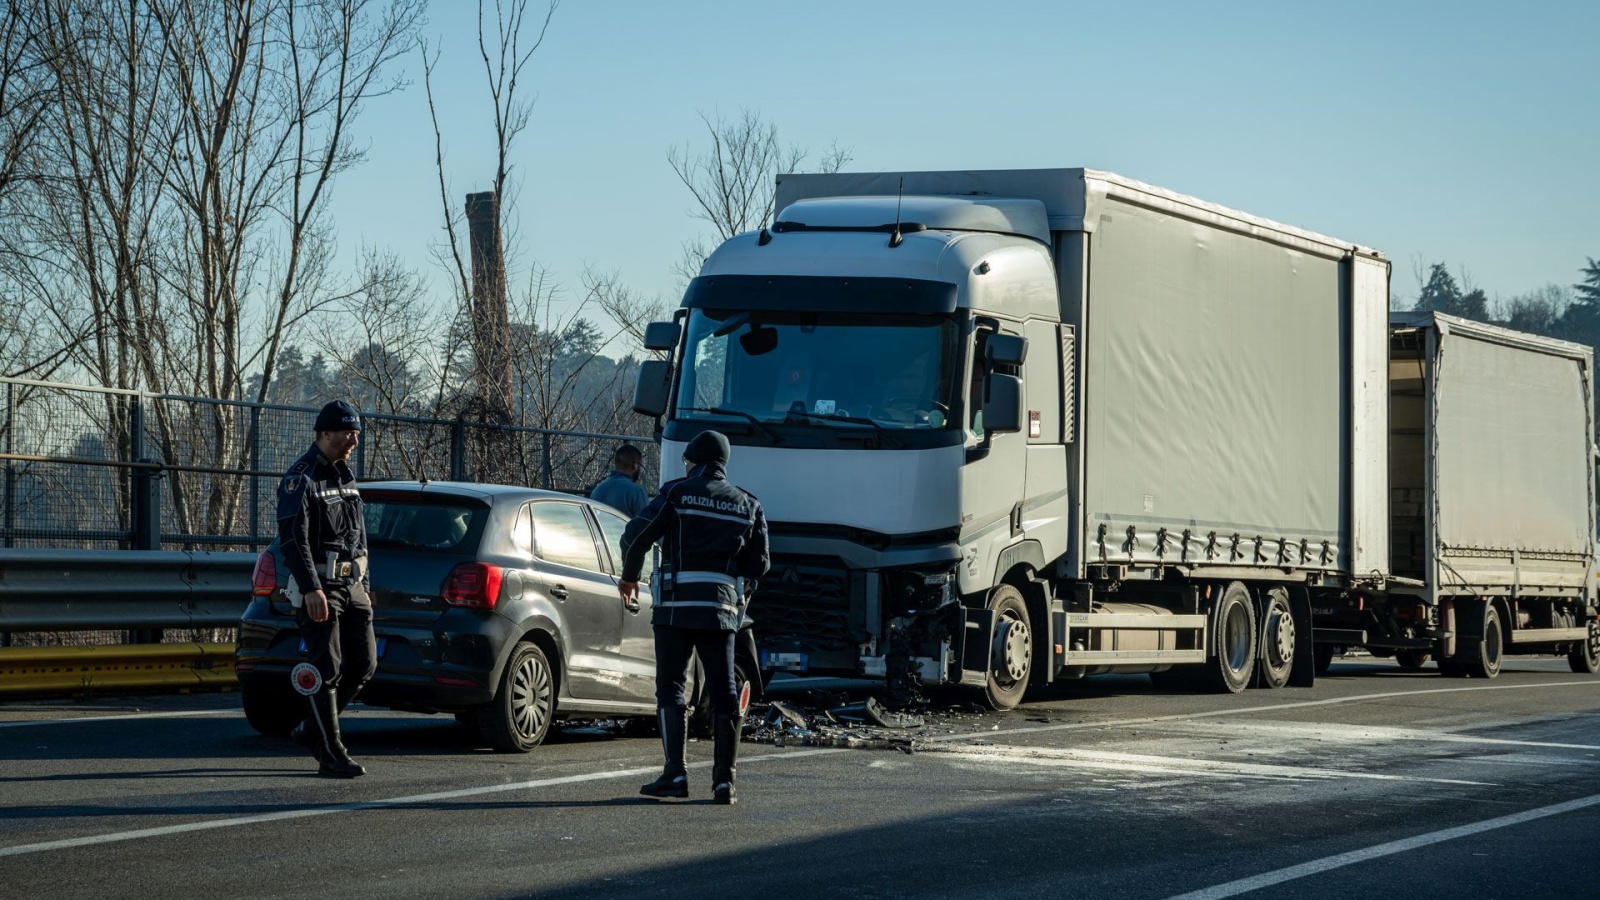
x: 821, y: 370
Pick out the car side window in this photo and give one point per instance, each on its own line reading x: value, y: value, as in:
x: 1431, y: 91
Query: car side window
x: 611, y: 525
x: 522, y: 531
x: 561, y: 535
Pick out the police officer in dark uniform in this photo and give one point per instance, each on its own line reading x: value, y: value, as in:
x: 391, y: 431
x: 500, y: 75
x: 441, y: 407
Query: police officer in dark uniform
x: 714, y: 540
x: 324, y: 540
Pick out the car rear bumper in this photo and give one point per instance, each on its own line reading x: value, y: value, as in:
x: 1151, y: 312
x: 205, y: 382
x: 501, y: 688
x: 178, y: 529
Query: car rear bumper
x: 450, y: 664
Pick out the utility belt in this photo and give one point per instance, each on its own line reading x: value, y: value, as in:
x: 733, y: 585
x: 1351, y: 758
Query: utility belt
x: 664, y: 580
x: 335, y: 568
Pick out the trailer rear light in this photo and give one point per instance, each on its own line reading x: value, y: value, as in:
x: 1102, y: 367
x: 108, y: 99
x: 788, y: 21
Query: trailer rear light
x: 473, y: 585
x: 264, y: 580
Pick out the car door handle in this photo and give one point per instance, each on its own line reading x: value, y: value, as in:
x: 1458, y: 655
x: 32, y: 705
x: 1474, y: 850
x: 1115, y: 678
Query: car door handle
x: 558, y: 592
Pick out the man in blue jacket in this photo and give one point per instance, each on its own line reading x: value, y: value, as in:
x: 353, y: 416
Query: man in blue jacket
x: 621, y: 489
x: 714, y: 543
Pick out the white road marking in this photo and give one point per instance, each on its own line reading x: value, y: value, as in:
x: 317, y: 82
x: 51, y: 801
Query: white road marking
x: 1245, y: 710
x: 155, y: 715
x: 1174, y: 765
x: 1279, y: 876
x: 307, y: 812
x: 1366, y: 734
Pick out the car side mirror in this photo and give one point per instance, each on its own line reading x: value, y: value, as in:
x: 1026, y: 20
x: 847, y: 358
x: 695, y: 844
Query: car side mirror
x: 655, y: 384
x: 1002, y: 403
x: 661, y: 335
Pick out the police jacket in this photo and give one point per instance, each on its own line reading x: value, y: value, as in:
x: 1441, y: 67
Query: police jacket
x: 320, y: 513
x: 711, y: 534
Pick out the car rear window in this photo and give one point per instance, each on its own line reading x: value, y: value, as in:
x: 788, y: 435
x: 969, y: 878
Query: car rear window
x: 432, y: 523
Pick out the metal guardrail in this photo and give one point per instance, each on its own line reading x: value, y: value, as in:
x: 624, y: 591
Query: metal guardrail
x: 65, y: 590
x: 57, y: 670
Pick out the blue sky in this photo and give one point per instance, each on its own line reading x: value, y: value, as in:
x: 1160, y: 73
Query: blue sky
x: 1464, y: 132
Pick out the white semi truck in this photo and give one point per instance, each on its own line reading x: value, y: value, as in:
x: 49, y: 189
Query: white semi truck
x: 1016, y: 426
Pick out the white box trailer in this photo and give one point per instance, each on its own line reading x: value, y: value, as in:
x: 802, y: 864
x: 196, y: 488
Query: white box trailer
x: 1492, y: 484
x: 1011, y: 426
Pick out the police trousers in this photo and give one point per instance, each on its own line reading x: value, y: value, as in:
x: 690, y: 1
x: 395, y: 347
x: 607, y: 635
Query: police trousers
x: 342, y: 646
x: 675, y: 647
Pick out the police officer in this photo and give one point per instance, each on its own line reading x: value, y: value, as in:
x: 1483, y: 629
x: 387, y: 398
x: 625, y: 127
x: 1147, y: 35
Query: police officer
x: 621, y: 489
x: 713, y: 535
x: 323, y: 536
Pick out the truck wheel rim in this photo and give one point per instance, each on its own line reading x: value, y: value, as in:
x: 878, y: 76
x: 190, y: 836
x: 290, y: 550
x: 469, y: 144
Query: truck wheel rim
x: 1281, y: 649
x: 1016, y: 644
x: 1236, y: 637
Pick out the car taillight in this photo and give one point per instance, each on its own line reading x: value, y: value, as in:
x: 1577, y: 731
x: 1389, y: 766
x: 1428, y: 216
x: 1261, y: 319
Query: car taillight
x: 264, y: 580
x: 474, y: 585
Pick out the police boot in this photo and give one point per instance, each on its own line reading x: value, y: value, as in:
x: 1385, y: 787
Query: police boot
x: 674, y: 780
x: 324, y: 729
x: 306, y: 733
x: 725, y: 731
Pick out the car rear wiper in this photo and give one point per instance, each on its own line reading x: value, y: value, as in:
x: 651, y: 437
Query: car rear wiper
x: 717, y: 410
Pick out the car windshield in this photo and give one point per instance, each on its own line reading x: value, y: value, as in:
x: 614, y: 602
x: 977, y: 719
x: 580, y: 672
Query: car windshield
x: 397, y: 521
x: 827, y: 370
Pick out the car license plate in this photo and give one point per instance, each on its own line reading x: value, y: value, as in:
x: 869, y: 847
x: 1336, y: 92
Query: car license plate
x: 383, y: 644
x: 791, y: 662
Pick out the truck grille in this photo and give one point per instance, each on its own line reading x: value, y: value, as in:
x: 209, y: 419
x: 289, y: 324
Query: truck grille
x: 807, y: 599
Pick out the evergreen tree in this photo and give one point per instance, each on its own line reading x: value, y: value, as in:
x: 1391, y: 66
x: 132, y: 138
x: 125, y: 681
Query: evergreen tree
x: 1440, y: 293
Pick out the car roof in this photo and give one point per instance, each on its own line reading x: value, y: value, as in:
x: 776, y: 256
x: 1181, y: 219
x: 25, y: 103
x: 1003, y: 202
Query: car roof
x: 493, y: 493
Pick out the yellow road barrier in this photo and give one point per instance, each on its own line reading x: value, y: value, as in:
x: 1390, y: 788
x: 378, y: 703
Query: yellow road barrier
x: 72, y: 670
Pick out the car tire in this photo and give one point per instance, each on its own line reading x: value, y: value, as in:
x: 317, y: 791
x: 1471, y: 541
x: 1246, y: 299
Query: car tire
x: 519, y: 716
x: 700, y: 710
x: 272, y: 712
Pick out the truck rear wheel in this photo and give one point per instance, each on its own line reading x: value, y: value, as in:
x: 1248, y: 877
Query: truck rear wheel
x: 1585, y: 658
x: 1277, y: 641
x: 1483, y: 661
x: 1011, y: 657
x: 1411, y: 660
x: 1234, y: 626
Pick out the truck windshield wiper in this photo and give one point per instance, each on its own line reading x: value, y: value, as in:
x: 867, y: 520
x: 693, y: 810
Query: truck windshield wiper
x: 834, y: 417
x: 738, y: 413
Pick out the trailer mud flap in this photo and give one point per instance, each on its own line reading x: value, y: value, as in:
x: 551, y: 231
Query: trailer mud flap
x: 977, y: 646
x: 1304, y: 671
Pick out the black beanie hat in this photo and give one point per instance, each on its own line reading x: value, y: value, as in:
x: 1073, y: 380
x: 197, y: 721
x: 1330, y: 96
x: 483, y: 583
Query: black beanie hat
x: 707, y: 447
x: 338, y: 416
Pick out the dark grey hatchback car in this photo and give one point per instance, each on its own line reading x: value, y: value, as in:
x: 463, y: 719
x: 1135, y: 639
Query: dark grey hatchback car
x: 496, y: 603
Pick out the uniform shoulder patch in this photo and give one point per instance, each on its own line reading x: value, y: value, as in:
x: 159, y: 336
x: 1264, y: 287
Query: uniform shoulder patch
x: 291, y: 483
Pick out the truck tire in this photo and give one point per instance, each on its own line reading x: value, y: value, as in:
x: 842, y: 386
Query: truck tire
x: 1233, y: 664
x: 1483, y: 661
x: 1585, y: 658
x: 1411, y: 660
x: 1323, y: 654
x: 519, y: 716
x: 1011, y: 658
x: 272, y: 712
x: 1278, y: 638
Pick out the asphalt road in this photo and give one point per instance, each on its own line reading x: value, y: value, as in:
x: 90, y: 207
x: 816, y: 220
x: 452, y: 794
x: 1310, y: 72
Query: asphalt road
x: 1376, y: 783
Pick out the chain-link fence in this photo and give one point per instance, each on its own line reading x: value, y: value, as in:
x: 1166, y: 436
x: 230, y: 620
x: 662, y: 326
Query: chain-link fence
x: 93, y: 468
x: 97, y: 468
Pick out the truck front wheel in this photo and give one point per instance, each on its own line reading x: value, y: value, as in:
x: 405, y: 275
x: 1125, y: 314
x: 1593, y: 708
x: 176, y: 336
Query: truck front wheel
x: 1011, y: 656
x: 1234, y: 643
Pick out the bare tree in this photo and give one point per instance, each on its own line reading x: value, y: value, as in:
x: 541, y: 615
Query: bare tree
x: 734, y: 181
x: 506, y: 44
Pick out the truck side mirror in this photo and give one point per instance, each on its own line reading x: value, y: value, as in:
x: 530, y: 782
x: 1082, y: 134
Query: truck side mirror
x: 1006, y: 350
x: 661, y: 336
x: 1002, y: 403
x: 655, y: 383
